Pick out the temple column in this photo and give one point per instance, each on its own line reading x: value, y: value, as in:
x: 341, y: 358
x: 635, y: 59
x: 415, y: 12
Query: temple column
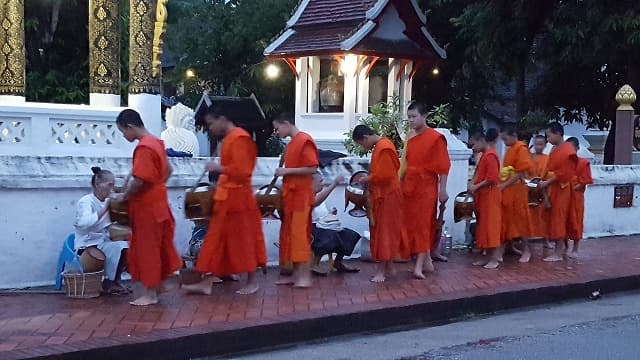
x: 623, y: 152
x: 12, y: 52
x: 349, y: 69
x: 147, y: 24
x: 104, y: 53
x: 406, y: 83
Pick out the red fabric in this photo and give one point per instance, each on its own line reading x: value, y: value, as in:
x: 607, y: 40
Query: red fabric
x: 234, y: 242
x: 562, y: 164
x: 516, y: 220
x: 152, y: 254
x: 583, y: 177
x: 388, y: 234
x: 488, y: 200
x: 298, y: 198
x: 426, y: 158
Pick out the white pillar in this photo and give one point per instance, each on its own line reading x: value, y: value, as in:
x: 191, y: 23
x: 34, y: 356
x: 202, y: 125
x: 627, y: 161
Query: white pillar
x: 301, y: 87
x: 393, y: 88
x: 363, y: 92
x: 313, y: 86
x: 149, y: 107
x: 350, y: 89
x: 104, y: 100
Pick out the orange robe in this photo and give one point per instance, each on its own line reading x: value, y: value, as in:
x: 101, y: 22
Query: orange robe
x: 298, y: 198
x: 583, y: 177
x: 539, y: 215
x: 488, y: 200
x: 562, y: 164
x: 516, y: 220
x: 388, y: 232
x: 152, y: 254
x: 426, y: 158
x: 234, y: 242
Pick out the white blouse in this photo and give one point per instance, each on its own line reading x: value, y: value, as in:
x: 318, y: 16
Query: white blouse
x: 324, y: 219
x: 90, y: 230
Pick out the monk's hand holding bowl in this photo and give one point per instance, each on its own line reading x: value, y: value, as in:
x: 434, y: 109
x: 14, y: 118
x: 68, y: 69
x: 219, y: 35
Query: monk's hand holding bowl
x: 364, y: 180
x: 543, y: 184
x: 214, y: 167
x: 338, y: 180
x: 443, y: 196
x: 471, y: 189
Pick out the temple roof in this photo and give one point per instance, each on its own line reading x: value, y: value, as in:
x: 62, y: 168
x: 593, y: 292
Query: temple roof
x: 384, y: 28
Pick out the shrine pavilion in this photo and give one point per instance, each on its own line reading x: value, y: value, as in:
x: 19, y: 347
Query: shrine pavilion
x: 348, y: 55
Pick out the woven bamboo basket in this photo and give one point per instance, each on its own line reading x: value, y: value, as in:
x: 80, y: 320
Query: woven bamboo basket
x: 83, y: 285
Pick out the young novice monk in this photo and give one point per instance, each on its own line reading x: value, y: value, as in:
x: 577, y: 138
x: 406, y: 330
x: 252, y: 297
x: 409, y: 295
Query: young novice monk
x: 234, y: 242
x: 516, y: 220
x: 300, y: 163
x: 561, y: 169
x: 388, y: 234
x: 152, y: 255
x: 579, y: 185
x: 487, y: 197
x: 539, y: 215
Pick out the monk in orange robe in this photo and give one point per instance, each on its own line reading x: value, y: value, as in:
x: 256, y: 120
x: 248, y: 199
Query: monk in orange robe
x: 388, y: 233
x: 234, y: 242
x: 516, y: 220
x: 300, y: 163
x: 579, y: 185
x: 539, y: 215
x: 561, y: 169
x: 487, y: 198
x: 424, y: 182
x: 152, y: 254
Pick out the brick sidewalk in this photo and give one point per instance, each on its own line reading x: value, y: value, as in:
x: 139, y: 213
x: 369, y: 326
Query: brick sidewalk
x: 39, y: 325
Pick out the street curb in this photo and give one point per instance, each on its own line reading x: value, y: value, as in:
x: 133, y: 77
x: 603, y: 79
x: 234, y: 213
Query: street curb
x: 216, y: 343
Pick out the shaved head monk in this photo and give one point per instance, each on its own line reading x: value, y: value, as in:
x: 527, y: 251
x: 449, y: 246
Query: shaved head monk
x: 579, y: 185
x: 561, y: 169
x: 539, y: 215
x: 388, y: 233
x: 516, y: 220
x: 424, y: 183
x: 300, y: 163
x: 152, y: 255
x: 234, y: 242
x: 487, y: 197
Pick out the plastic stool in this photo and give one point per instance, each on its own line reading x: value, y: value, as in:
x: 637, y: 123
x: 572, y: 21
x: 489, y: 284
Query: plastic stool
x: 67, y: 254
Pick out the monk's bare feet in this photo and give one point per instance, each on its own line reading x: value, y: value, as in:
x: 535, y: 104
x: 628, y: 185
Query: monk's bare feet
x: 419, y: 275
x: 165, y: 288
x: 526, y: 256
x: 548, y: 245
x: 553, y: 258
x: 144, y: 300
x: 234, y: 277
x: 440, y: 258
x: 285, y: 281
x: 249, y: 289
x: 215, y: 280
x: 428, y: 265
x: 493, y: 264
x: 378, y: 278
x: 480, y: 263
x: 303, y: 284
x: 573, y: 255
x: 204, y: 287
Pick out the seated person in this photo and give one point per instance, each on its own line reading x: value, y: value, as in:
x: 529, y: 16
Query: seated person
x: 328, y: 234
x: 91, y: 229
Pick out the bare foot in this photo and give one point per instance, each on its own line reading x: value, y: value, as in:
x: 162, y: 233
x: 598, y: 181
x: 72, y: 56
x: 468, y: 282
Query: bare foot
x: 493, y: 264
x: 428, y: 266
x: 548, y: 245
x: 480, y: 263
x: 378, y: 278
x: 203, y: 287
x: 248, y: 290
x: 303, y: 283
x: 526, y: 256
x: 285, y: 281
x: 418, y: 275
x: 234, y: 277
x: 165, y: 288
x: 553, y: 258
x: 144, y: 301
x: 215, y: 280
x: 573, y: 255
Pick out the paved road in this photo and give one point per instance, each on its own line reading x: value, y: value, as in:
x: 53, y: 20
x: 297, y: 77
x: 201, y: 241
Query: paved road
x: 608, y: 328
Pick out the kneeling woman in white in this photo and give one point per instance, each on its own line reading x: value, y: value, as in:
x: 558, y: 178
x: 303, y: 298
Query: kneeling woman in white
x: 91, y: 225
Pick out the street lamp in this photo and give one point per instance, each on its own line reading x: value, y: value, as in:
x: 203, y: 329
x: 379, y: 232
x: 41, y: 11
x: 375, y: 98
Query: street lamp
x: 435, y: 71
x: 190, y: 73
x: 272, y: 71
